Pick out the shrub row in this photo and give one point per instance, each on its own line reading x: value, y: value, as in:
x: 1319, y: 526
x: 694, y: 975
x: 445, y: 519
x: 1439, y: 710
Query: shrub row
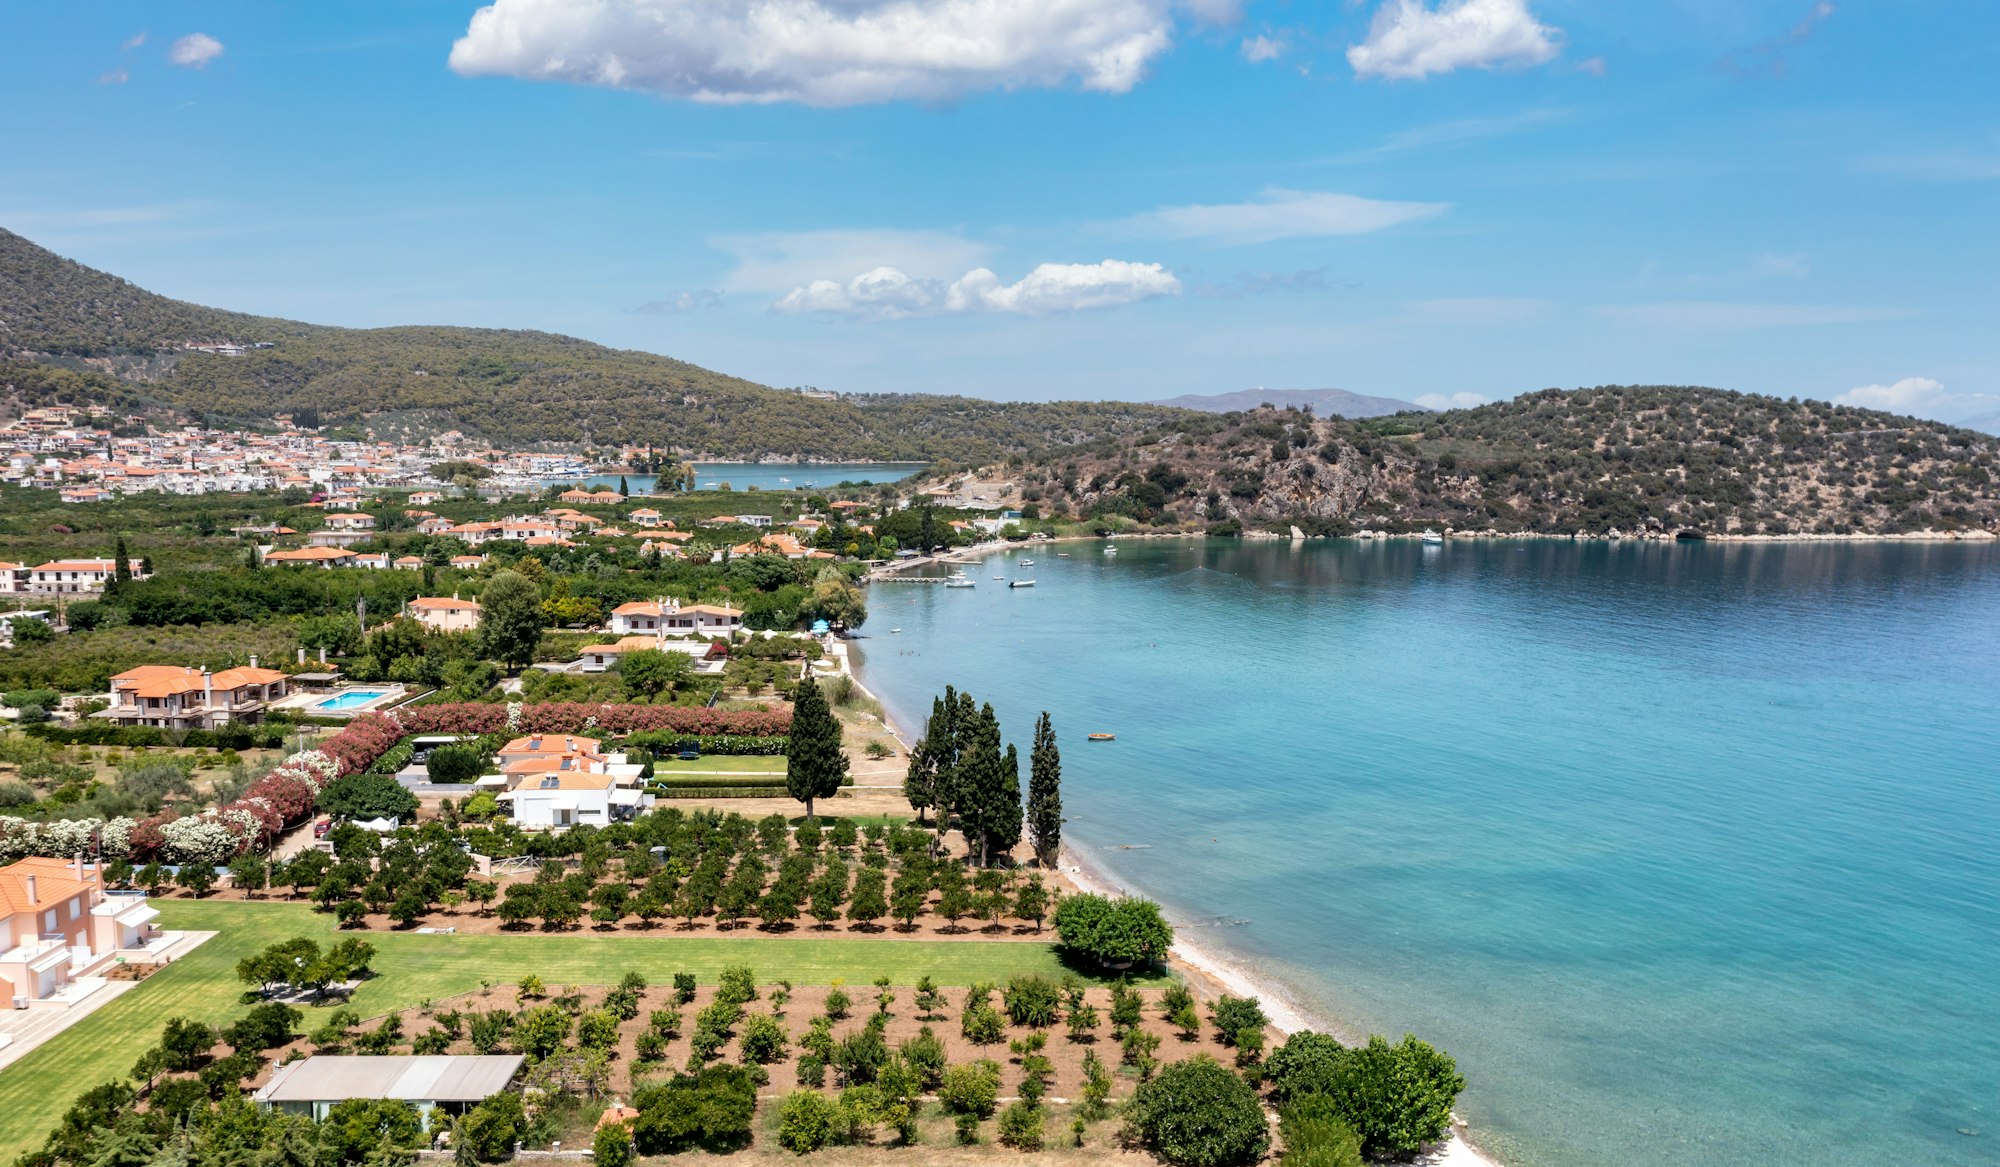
x: 741, y: 745
x: 722, y: 792
x: 102, y: 733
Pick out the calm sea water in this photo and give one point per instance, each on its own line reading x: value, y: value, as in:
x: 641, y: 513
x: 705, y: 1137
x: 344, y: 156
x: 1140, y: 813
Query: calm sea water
x: 770, y: 475
x: 1690, y: 854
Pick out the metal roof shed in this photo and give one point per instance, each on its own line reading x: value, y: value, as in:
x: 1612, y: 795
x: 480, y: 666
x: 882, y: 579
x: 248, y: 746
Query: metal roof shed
x: 315, y: 1085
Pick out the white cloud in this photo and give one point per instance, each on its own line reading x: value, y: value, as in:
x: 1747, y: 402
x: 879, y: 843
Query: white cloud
x: 776, y: 261
x: 195, y: 50
x: 116, y: 76
x: 1718, y: 316
x: 1257, y: 49
x: 1454, y: 401
x: 820, y: 52
x: 679, y: 302
x: 886, y: 293
x: 133, y: 41
x: 1922, y: 397
x: 1279, y: 214
x: 1409, y: 41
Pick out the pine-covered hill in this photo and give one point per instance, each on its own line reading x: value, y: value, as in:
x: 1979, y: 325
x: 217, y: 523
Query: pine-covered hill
x: 1655, y: 460
x: 71, y: 333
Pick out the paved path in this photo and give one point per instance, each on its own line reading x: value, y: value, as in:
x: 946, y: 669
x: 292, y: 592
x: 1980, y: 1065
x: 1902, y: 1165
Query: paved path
x: 29, y: 1028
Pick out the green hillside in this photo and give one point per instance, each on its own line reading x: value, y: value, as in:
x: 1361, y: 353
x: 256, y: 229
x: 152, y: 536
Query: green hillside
x: 1663, y: 460
x: 73, y: 333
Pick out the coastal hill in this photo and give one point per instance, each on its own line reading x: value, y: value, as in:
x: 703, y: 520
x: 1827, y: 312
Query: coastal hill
x: 1659, y: 460
x: 1325, y: 402
x: 71, y: 333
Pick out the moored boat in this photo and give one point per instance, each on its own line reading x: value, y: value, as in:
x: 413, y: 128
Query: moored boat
x: 1103, y: 737
x: 1020, y: 583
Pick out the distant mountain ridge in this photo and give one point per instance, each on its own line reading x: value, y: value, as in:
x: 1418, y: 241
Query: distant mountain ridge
x: 1324, y: 402
x: 71, y: 333
x: 1656, y: 460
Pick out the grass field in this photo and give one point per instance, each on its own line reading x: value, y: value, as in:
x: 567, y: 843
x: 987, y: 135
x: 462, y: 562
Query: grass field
x: 411, y: 968
x: 722, y: 764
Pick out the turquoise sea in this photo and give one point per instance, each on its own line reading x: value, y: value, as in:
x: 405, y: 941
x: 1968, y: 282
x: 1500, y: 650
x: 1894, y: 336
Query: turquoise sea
x: 1689, y: 853
x: 768, y: 475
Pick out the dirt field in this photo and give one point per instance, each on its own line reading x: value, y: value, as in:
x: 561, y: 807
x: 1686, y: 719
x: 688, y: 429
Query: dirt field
x: 808, y: 1002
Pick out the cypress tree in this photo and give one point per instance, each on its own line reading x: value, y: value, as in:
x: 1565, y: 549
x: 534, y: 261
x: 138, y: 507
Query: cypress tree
x: 987, y: 797
x: 920, y: 784
x: 121, y: 566
x: 1003, y: 825
x: 624, y: 491
x: 1045, y: 818
x: 814, y: 764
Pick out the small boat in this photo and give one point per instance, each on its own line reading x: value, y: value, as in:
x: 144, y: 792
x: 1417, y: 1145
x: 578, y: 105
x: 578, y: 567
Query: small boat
x: 1433, y: 537
x: 1027, y: 563
x: 999, y: 577
x: 959, y: 581
x: 1104, y: 737
x: 1062, y: 555
x: 710, y: 485
x: 784, y: 480
x: 1111, y: 550
x: 893, y: 631
x: 1020, y: 583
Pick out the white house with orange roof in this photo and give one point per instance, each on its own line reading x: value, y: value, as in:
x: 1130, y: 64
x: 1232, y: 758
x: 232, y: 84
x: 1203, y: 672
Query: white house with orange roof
x: 645, y: 517
x: 669, y: 617
x: 444, y: 613
x: 173, y: 697
x: 71, y: 576
x: 15, y: 578
x: 56, y: 925
x: 313, y: 557
x: 555, y: 781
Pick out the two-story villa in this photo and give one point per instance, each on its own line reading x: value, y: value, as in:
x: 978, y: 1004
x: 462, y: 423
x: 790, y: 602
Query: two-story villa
x: 173, y: 697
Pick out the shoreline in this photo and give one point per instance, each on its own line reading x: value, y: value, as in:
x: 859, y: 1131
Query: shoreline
x: 1210, y: 971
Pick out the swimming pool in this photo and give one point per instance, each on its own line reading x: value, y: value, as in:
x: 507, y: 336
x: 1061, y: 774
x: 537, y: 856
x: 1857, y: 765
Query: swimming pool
x: 352, y: 699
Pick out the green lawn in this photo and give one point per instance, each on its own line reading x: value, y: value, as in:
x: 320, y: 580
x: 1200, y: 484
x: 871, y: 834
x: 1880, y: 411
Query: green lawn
x: 722, y: 764
x: 37, y: 1089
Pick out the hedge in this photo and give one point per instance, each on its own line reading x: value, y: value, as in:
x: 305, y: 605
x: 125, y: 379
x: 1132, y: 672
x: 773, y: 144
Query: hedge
x: 102, y: 733
x: 581, y: 717
x: 666, y: 744
x: 723, y: 792
x: 720, y: 780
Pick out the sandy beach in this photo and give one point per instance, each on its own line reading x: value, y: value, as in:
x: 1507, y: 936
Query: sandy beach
x: 1210, y: 973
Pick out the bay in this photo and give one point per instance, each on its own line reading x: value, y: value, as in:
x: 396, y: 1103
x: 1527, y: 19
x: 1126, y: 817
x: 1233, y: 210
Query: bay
x: 1690, y: 854
x: 765, y: 475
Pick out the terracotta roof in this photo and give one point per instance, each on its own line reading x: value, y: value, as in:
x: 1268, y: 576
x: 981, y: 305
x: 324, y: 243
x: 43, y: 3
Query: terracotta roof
x: 55, y: 881
x: 443, y: 603
x: 309, y: 555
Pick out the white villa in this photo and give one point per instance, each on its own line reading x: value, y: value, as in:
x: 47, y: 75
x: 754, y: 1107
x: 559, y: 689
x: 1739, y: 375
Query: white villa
x: 557, y: 781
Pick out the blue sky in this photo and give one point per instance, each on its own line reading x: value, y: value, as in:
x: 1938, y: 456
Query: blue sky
x: 1435, y: 199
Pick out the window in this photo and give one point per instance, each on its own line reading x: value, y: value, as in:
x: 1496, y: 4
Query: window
x: 49, y: 920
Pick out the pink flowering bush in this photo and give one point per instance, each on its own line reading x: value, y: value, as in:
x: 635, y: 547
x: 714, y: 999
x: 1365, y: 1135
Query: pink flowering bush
x: 363, y: 740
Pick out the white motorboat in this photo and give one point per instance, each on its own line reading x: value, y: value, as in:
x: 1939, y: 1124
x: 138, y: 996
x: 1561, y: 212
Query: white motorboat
x: 1111, y: 550
x: 1433, y: 537
x: 1027, y: 563
x: 1020, y: 583
x: 959, y: 581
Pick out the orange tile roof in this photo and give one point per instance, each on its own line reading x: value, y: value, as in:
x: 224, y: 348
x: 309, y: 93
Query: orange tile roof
x: 55, y: 881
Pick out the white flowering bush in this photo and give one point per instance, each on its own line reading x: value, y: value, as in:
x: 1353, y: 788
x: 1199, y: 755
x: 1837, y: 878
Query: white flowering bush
x: 21, y: 838
x: 513, y: 716
x: 202, y: 839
